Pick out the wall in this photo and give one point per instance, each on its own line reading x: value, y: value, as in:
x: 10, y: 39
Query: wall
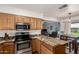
x: 18, y: 11
x: 50, y: 19
x: 55, y: 26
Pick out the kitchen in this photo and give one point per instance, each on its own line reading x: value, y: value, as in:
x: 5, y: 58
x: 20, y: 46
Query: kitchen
x: 31, y: 34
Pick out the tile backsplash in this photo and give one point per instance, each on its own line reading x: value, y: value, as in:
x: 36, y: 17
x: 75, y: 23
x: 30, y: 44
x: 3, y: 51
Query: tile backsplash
x: 12, y: 32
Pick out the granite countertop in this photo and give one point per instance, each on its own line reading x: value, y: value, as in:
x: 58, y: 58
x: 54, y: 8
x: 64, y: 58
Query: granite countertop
x: 51, y: 41
x: 3, y: 41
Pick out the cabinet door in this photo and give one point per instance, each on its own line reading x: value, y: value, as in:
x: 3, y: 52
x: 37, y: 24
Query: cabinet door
x: 33, y: 45
x: 33, y: 23
x: 19, y: 19
x: 10, y: 22
x: 45, y: 50
x: 1, y: 49
x: 26, y: 20
x: 38, y: 45
x: 39, y: 24
x: 6, y: 21
x: 3, y: 21
x: 8, y: 48
x: 1, y: 24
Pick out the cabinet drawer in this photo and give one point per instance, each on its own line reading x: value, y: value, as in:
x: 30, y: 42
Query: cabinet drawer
x: 47, y: 45
x: 45, y: 50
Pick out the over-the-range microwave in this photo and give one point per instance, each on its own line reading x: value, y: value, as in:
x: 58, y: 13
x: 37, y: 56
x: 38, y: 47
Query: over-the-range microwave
x: 22, y: 26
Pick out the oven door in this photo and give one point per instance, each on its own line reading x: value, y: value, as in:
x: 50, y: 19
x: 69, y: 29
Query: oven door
x: 23, y: 45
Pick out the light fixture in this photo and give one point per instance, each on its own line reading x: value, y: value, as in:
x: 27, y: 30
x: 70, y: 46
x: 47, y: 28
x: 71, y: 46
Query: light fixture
x: 69, y: 15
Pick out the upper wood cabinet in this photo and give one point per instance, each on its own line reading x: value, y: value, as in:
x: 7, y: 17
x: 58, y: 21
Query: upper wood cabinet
x: 39, y: 24
x: 22, y: 19
x: 26, y: 20
x: 19, y: 19
x: 3, y: 21
x: 11, y: 22
x: 33, y: 23
x: 8, y: 21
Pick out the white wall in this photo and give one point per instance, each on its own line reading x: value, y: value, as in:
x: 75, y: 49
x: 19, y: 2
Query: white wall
x: 13, y: 10
x: 50, y: 19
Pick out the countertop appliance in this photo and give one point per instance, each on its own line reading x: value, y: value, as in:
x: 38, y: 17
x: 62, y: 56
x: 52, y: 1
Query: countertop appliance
x: 44, y: 32
x: 22, y: 26
x: 23, y: 42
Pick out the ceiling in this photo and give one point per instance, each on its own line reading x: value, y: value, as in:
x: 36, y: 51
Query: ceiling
x: 50, y: 10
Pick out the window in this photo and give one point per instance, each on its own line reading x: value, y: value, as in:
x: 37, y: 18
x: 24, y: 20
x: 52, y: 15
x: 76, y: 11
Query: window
x: 75, y: 29
x: 51, y: 27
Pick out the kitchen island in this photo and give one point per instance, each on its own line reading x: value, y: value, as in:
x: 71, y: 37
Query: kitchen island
x: 48, y: 45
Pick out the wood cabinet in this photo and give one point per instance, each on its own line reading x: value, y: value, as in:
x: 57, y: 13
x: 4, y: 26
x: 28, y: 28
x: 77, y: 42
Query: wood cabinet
x: 39, y: 24
x: 19, y: 19
x: 22, y: 19
x: 36, y: 23
x: 45, y: 50
x: 6, y: 21
x: 26, y: 20
x: 3, y: 21
x: 1, y: 24
x: 9, y: 48
x: 10, y: 22
x: 33, y: 23
x: 48, y: 49
x: 38, y: 45
x: 1, y: 48
x: 35, y: 45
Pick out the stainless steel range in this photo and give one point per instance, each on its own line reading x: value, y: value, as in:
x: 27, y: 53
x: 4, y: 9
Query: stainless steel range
x: 23, y: 42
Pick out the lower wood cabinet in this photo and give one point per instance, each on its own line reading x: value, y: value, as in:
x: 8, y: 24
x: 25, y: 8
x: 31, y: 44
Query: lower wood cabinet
x: 1, y: 48
x: 44, y: 48
x: 7, y: 48
x: 35, y: 45
x: 38, y: 45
